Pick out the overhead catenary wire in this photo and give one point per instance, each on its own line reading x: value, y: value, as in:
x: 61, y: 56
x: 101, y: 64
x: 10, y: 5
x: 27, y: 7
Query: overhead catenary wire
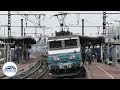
x: 43, y: 27
x: 23, y: 15
x: 38, y: 24
x: 39, y: 17
x: 35, y: 24
x: 113, y: 19
x: 84, y: 26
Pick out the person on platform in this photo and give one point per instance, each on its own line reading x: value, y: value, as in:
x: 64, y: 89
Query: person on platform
x: 95, y: 56
x: 83, y: 55
x: 89, y: 56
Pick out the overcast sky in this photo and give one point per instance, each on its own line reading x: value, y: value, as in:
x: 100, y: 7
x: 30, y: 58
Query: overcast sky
x: 90, y: 20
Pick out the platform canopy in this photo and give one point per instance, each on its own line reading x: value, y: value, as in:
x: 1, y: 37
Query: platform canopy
x: 85, y: 40
x: 28, y: 40
x: 25, y: 39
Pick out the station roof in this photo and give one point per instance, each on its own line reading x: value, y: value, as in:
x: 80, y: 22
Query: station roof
x: 25, y: 39
x: 92, y: 40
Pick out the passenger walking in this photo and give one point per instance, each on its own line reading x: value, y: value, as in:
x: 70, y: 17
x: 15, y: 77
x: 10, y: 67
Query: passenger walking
x: 83, y: 55
x: 89, y: 56
x: 95, y: 56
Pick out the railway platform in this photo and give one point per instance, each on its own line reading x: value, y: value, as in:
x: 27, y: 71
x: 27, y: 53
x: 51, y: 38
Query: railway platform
x: 102, y: 71
x: 21, y: 66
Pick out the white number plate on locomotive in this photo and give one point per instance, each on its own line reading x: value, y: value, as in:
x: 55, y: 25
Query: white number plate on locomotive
x: 65, y: 65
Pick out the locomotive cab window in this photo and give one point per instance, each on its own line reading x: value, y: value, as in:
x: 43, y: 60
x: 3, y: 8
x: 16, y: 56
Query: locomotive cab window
x: 70, y: 42
x: 55, y: 44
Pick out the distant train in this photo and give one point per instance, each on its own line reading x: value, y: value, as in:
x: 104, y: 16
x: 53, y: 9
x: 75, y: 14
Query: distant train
x: 64, y: 54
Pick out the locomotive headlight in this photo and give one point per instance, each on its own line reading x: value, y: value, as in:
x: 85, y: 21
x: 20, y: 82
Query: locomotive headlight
x: 56, y: 58
x: 72, y: 57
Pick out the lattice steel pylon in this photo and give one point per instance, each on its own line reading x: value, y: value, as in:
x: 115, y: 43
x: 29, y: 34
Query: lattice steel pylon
x: 103, y: 46
x: 9, y: 24
x: 9, y: 36
x: 104, y: 23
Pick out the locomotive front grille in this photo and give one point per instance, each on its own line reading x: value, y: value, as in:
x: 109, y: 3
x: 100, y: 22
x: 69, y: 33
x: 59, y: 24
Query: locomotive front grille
x: 55, y: 67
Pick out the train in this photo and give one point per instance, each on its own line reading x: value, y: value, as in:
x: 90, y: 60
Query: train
x: 64, y: 55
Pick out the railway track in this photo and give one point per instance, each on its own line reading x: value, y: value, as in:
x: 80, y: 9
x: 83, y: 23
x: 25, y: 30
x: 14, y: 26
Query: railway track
x: 39, y: 71
x: 81, y: 74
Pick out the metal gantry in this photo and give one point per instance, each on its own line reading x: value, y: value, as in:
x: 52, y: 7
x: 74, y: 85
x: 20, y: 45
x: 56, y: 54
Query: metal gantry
x: 104, y: 23
x: 9, y: 35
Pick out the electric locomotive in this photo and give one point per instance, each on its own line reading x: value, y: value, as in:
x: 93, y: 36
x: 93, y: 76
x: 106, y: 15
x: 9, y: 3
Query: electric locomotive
x: 64, y: 54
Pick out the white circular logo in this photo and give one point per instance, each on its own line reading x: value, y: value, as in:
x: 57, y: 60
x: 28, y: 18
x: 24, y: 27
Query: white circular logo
x: 9, y: 69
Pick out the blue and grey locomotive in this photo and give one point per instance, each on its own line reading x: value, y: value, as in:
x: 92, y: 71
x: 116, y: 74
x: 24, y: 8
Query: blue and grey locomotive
x: 64, y: 53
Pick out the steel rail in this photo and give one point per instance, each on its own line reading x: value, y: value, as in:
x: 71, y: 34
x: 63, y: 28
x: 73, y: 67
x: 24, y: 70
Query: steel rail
x: 34, y: 71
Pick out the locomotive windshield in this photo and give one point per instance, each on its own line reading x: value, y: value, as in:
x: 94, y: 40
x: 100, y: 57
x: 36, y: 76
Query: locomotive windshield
x: 71, y: 42
x: 55, y: 44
